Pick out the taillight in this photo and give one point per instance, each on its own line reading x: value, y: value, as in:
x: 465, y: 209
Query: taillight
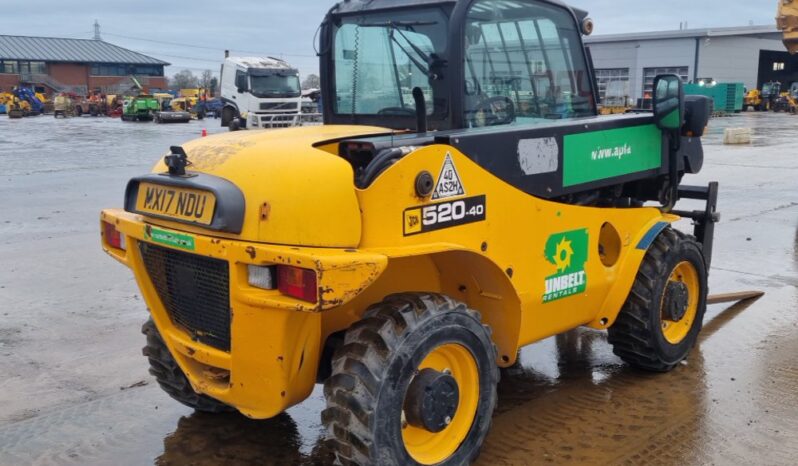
x: 297, y: 282
x: 114, y: 237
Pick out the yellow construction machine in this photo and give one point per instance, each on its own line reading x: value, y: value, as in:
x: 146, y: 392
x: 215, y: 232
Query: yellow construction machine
x: 402, y: 253
x: 787, y: 22
x: 753, y: 100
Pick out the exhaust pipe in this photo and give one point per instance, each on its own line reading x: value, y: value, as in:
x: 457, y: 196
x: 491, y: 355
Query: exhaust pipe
x: 421, y: 110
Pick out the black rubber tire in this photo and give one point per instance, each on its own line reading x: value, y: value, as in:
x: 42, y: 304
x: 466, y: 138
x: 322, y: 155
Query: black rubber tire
x: 636, y: 336
x: 171, y: 378
x: 372, y: 370
x: 228, y: 114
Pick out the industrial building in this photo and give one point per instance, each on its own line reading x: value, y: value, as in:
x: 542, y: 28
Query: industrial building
x: 752, y: 55
x: 74, y: 65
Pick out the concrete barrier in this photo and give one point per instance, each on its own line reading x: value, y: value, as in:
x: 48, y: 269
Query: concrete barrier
x: 737, y: 136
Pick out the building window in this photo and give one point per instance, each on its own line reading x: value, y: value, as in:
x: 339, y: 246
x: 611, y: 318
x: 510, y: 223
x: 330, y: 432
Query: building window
x: 778, y: 66
x: 613, y: 86
x: 649, y: 74
x: 32, y: 67
x: 103, y: 69
x: 8, y: 67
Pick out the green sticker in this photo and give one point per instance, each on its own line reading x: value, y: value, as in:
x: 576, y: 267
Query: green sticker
x: 600, y: 155
x: 568, y: 252
x: 169, y: 238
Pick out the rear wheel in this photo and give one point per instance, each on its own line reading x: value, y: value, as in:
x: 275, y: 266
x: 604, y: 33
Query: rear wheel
x: 171, y: 378
x: 414, y: 383
x: 660, y: 322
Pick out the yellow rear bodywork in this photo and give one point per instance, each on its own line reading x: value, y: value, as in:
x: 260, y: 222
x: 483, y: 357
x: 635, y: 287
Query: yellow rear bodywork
x: 787, y: 22
x: 303, y: 209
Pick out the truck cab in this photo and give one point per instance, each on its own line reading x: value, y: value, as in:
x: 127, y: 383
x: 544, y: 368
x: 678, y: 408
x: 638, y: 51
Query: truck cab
x: 260, y: 92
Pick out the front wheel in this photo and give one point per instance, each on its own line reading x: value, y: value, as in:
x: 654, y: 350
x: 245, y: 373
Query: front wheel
x: 660, y: 322
x: 413, y: 384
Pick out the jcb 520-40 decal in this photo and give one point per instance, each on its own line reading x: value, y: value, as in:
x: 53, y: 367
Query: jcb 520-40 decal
x: 432, y: 217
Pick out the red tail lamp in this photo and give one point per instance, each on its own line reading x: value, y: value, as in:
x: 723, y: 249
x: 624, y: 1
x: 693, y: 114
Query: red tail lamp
x: 297, y: 282
x: 114, y: 237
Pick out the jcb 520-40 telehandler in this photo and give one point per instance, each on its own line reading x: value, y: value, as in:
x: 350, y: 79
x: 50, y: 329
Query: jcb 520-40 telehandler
x: 462, y: 200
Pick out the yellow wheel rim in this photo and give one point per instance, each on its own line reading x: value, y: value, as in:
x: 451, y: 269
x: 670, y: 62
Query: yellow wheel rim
x: 430, y: 448
x: 676, y: 331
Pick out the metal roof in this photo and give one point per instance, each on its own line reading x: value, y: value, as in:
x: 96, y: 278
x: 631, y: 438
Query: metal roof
x: 759, y: 32
x: 52, y: 49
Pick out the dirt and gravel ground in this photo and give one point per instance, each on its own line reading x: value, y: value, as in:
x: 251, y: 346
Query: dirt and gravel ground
x: 75, y: 388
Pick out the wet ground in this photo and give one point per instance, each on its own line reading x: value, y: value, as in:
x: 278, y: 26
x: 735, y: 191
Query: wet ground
x: 75, y: 388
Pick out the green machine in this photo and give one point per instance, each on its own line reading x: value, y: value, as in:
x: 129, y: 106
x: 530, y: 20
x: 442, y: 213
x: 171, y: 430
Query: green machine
x: 726, y: 97
x: 140, y: 108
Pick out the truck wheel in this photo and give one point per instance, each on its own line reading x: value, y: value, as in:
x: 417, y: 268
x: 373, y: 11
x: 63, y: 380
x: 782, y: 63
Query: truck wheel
x: 660, y: 322
x: 414, y: 383
x: 227, y: 116
x: 171, y: 378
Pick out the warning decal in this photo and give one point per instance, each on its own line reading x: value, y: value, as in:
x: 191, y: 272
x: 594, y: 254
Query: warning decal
x: 449, y: 184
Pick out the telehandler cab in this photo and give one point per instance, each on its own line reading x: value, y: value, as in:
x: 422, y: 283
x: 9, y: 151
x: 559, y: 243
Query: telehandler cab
x: 462, y: 200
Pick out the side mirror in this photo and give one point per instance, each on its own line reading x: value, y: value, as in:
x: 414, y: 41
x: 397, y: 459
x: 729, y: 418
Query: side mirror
x: 668, y: 102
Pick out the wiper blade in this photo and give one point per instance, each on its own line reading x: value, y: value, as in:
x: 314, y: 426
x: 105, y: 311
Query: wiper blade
x: 395, y: 24
x: 395, y: 27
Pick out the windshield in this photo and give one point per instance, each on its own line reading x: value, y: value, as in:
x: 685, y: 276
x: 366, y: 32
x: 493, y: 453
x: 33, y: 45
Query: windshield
x: 527, y: 59
x: 275, y: 86
x: 380, y: 58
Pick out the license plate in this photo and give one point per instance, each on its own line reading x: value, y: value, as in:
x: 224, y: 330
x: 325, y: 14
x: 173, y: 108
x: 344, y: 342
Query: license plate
x: 184, y: 204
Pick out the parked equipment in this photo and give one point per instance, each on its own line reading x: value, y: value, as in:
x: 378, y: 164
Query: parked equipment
x: 727, y: 98
x: 260, y: 92
x: 617, y: 98
x: 771, y: 92
x: 63, y: 106
x: 788, y: 101
x: 447, y: 214
x: 753, y: 101
x: 5, y: 102
x: 26, y: 102
x: 140, y: 108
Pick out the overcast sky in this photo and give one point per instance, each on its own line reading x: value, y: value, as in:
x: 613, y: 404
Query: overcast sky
x: 285, y: 28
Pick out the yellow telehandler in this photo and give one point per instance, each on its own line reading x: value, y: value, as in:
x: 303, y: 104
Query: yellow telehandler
x: 463, y: 199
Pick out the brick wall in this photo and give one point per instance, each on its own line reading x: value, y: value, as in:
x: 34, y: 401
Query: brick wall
x: 69, y: 74
x: 8, y: 81
x: 113, y: 81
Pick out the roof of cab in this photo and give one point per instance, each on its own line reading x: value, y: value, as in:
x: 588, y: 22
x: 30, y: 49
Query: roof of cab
x: 260, y: 62
x: 357, y: 6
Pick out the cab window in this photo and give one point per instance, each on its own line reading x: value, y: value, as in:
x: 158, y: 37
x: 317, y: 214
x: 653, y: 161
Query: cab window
x: 380, y: 58
x: 524, y: 62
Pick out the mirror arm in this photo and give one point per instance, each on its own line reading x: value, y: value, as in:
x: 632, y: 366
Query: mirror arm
x: 674, y: 144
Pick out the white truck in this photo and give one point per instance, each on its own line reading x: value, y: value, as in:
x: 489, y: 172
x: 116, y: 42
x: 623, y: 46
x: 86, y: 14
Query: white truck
x: 260, y: 92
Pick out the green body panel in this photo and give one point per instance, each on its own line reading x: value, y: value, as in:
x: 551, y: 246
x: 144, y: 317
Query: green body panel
x: 142, y: 105
x: 600, y: 155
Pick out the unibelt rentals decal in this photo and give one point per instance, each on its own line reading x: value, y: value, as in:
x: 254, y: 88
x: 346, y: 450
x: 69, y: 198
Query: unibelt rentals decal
x: 449, y: 183
x: 600, y: 155
x: 568, y: 253
x: 169, y: 238
x: 432, y: 217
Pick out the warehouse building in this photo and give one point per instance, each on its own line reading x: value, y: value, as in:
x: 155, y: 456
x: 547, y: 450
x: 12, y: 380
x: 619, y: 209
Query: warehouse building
x: 74, y: 65
x: 751, y: 55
